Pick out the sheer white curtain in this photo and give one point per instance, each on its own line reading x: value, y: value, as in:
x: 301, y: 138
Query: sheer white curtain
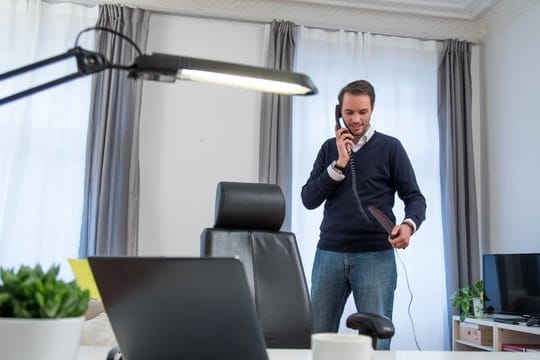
x: 404, y: 74
x: 42, y: 137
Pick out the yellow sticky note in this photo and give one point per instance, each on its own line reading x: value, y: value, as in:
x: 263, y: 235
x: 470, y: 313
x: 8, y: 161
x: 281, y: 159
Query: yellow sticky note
x: 84, y: 276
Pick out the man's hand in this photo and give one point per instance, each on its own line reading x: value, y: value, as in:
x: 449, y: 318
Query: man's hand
x: 401, y: 236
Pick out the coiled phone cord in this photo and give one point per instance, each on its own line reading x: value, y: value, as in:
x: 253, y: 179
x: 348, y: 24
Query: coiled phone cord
x: 364, y: 215
x: 354, y: 189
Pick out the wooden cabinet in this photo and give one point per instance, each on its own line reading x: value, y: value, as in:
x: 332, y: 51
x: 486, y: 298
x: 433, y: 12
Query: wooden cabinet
x: 488, y: 335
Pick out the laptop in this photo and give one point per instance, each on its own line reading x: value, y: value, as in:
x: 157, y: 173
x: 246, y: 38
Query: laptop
x: 179, y: 308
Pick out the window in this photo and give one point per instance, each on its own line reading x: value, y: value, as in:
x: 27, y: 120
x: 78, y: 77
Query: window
x: 43, y: 136
x: 404, y: 74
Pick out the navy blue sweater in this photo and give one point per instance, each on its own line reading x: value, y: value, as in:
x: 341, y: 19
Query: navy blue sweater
x: 382, y: 169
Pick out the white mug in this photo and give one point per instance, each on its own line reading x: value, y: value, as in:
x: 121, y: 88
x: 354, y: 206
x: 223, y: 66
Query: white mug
x: 332, y: 346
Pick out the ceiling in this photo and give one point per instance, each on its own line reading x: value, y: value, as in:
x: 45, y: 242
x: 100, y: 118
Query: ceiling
x: 452, y: 9
x: 469, y: 20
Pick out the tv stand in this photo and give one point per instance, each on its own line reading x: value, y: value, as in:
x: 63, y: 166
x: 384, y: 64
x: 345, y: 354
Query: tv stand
x: 492, y: 334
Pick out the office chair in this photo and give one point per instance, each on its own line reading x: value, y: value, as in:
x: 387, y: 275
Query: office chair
x: 247, y: 222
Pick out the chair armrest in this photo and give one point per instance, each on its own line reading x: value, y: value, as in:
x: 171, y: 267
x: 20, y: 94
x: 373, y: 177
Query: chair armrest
x: 374, y: 325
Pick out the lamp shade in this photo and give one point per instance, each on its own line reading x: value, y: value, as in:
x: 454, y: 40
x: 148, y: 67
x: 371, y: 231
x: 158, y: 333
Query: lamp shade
x: 163, y: 67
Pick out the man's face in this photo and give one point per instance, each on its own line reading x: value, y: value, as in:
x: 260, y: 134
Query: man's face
x: 356, y: 112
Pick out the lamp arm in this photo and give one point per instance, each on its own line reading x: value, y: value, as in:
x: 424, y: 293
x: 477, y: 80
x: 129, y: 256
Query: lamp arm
x: 163, y: 67
x: 88, y: 62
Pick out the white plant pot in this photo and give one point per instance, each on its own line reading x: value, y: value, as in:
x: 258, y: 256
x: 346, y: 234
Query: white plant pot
x: 43, y: 339
x: 478, y: 307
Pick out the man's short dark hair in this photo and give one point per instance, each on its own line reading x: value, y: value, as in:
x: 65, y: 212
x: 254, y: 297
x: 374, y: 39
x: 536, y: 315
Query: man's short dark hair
x: 358, y: 87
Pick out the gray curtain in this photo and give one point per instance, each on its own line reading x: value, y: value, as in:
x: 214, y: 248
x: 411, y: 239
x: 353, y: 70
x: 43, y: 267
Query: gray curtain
x: 459, y: 207
x: 111, y: 203
x: 276, y: 117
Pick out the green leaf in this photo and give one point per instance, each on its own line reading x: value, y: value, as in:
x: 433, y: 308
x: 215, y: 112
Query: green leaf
x: 4, y: 297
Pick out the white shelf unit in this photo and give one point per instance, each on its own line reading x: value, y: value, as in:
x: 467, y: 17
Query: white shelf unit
x: 502, y: 333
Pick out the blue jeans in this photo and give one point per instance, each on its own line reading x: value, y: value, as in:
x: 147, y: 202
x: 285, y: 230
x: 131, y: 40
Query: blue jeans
x: 371, y: 276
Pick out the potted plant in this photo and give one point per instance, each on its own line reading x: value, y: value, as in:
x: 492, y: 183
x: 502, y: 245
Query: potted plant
x: 41, y: 316
x: 470, y: 300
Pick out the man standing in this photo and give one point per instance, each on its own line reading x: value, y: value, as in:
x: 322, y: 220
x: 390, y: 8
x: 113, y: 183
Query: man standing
x: 359, y: 168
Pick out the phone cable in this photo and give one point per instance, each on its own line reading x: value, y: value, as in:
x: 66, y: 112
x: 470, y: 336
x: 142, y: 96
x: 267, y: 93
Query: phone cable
x: 363, y: 213
x: 410, y: 299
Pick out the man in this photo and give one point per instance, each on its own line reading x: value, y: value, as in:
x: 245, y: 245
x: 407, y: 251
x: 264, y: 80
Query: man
x: 358, y: 168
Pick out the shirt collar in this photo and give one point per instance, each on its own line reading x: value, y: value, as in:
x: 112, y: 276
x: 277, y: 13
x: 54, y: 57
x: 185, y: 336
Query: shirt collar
x: 364, y: 139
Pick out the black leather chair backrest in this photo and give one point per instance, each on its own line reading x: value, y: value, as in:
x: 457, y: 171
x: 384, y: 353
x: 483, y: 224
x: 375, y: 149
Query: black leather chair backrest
x: 248, y: 218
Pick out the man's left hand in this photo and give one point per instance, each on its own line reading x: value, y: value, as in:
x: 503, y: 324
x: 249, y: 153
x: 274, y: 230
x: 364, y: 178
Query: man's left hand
x: 401, y: 236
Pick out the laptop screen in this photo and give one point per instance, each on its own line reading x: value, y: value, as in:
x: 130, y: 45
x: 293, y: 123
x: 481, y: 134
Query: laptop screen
x: 179, y: 308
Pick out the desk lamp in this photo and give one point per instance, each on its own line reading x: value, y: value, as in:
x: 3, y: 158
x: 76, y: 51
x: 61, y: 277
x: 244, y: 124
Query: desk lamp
x: 168, y: 68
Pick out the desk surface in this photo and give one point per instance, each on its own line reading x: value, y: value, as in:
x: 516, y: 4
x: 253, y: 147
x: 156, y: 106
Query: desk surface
x: 100, y: 353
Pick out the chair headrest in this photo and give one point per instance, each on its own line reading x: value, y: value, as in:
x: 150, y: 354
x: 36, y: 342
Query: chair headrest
x: 249, y: 206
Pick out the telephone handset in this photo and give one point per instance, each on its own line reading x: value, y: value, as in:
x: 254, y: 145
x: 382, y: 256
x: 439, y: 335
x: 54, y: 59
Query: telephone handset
x: 338, y: 115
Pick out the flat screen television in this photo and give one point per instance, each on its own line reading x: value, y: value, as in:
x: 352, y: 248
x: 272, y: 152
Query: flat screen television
x: 512, y: 284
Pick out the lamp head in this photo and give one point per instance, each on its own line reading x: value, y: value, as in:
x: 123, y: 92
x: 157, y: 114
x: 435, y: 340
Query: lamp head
x: 162, y: 67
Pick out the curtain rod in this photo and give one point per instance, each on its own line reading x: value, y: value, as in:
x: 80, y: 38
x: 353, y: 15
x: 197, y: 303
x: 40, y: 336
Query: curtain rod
x: 263, y: 22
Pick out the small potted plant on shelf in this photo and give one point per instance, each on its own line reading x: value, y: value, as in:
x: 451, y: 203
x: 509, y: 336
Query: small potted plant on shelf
x: 41, y: 316
x: 470, y: 300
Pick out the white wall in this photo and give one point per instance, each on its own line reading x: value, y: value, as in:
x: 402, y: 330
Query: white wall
x: 194, y: 135
x: 510, y: 130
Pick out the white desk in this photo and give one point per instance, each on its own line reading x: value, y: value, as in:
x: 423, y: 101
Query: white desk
x: 100, y: 353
